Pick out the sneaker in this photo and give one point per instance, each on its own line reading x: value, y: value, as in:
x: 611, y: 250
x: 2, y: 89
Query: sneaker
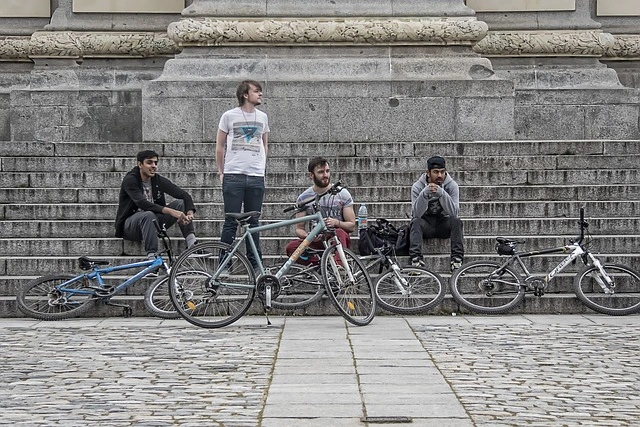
x: 456, y: 263
x: 199, y: 253
x: 417, y: 262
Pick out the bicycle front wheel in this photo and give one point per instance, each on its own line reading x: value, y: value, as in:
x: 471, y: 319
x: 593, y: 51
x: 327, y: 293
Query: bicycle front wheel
x: 410, y: 290
x: 300, y: 287
x: 620, y: 298
x: 354, y: 298
x: 157, y: 299
x: 486, y: 287
x: 41, y: 299
x: 206, y: 294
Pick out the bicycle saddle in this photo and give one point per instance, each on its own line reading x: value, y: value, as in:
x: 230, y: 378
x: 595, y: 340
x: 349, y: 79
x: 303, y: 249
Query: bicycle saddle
x: 507, y: 241
x: 87, y: 263
x: 243, y: 216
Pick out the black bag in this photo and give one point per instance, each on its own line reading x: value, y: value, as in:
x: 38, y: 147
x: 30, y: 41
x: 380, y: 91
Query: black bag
x: 383, y: 235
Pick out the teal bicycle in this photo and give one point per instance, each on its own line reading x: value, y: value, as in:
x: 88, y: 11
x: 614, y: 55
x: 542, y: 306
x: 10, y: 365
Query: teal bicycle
x: 63, y: 296
x: 216, y: 289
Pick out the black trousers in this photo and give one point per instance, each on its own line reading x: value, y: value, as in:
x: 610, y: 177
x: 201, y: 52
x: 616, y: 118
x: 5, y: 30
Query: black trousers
x: 436, y: 226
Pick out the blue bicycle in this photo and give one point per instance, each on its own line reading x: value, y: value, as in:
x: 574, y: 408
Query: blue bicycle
x: 63, y: 296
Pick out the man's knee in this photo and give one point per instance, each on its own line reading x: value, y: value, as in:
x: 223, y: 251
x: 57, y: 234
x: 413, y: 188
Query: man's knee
x: 177, y: 204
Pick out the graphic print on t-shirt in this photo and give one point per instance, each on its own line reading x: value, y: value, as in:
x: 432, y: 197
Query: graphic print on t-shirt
x: 247, y: 137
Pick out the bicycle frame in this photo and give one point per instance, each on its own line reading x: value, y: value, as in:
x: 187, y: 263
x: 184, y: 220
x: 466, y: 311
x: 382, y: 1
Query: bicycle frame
x: 577, y: 251
x: 249, y: 231
x: 96, y: 274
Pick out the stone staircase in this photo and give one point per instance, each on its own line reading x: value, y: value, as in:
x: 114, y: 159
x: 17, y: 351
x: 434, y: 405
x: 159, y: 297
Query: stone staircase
x: 58, y: 201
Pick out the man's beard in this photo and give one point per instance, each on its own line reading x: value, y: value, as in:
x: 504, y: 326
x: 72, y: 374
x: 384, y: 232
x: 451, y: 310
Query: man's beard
x: 319, y: 182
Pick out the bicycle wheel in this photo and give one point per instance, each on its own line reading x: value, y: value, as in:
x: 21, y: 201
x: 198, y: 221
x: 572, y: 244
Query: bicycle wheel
x: 410, y: 290
x: 487, y: 288
x: 157, y: 300
x: 40, y: 299
x: 300, y: 287
x: 355, y: 298
x: 618, y: 300
x: 207, y: 295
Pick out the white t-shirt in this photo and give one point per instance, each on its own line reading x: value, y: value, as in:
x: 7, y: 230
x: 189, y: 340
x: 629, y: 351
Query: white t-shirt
x: 244, y: 152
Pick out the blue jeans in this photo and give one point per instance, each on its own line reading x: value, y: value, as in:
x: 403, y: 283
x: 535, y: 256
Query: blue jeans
x: 238, y: 190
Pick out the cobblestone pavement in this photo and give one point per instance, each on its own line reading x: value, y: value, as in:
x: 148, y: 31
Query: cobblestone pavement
x: 440, y: 371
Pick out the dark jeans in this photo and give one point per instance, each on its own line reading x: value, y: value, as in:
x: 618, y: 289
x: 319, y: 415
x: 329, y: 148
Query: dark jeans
x: 139, y: 226
x: 239, y: 190
x: 434, y: 226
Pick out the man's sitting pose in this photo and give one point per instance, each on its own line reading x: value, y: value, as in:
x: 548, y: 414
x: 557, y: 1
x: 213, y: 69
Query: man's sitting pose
x: 337, y: 210
x: 142, y: 200
x: 435, y: 201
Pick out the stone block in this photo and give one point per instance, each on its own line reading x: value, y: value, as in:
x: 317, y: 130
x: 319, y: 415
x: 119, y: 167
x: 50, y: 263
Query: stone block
x: 549, y: 121
x: 173, y: 119
x: 302, y: 120
x: 612, y: 122
x: 484, y: 118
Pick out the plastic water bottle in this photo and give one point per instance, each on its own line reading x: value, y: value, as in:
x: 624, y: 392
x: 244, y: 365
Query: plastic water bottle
x: 362, y: 217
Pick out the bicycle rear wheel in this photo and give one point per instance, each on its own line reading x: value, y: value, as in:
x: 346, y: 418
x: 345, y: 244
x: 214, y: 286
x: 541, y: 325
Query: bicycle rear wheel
x: 618, y: 300
x: 40, y: 299
x: 355, y: 298
x: 300, y: 287
x: 486, y: 287
x: 157, y: 299
x: 410, y: 290
x: 207, y: 295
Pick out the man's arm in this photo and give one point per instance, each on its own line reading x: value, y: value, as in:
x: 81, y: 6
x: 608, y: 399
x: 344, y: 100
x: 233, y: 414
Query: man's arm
x: 168, y: 187
x: 265, y: 142
x: 450, y: 199
x: 221, y: 142
x: 419, y: 199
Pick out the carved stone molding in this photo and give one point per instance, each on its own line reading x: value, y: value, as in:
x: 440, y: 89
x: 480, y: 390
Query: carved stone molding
x: 286, y: 32
x: 69, y: 44
x: 624, y: 47
x: 14, y: 48
x: 553, y: 43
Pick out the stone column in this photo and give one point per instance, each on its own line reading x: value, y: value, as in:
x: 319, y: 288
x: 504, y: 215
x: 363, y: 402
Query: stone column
x: 89, y: 63
x: 555, y: 44
x: 622, y: 21
x: 353, y: 70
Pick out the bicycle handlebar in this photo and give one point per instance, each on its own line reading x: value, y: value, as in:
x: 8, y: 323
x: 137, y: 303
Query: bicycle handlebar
x: 333, y: 190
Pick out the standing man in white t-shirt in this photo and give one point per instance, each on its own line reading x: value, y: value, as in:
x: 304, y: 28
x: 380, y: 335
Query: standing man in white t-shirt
x: 241, y: 157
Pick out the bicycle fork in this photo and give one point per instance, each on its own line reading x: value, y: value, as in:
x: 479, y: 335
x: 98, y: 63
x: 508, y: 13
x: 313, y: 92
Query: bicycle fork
x: 607, y: 284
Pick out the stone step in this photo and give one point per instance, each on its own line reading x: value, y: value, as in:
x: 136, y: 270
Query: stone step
x: 601, y: 192
x: 288, y: 164
x: 286, y: 149
x: 548, y: 304
x: 211, y: 228
x: 111, y: 246
x: 389, y: 210
x: 353, y: 179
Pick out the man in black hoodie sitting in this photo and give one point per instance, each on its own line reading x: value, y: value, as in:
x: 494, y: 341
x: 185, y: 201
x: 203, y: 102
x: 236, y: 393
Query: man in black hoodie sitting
x: 142, y: 200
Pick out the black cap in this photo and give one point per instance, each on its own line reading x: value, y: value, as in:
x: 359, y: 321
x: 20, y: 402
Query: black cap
x: 435, y: 162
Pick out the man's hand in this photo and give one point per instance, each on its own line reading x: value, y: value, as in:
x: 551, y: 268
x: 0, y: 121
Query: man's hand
x: 433, y: 187
x: 332, y: 222
x: 181, y: 217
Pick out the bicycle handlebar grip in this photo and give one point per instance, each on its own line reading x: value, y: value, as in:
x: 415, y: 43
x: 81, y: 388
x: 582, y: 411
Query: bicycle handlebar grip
x: 290, y: 208
x: 581, y: 214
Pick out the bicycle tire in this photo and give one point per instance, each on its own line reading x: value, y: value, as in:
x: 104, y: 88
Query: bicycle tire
x: 300, y: 287
x: 626, y: 297
x: 40, y: 299
x: 157, y: 299
x: 207, y: 302
x: 474, y: 287
x: 355, y: 301
x: 423, y: 290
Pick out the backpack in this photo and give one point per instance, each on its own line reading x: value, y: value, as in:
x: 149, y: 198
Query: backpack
x: 384, y: 235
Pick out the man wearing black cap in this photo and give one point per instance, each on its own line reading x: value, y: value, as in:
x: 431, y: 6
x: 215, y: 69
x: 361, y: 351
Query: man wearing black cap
x: 435, y: 202
x: 142, y: 200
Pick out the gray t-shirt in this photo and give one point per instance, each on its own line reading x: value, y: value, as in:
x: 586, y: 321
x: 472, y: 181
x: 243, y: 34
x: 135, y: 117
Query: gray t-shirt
x: 330, y: 205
